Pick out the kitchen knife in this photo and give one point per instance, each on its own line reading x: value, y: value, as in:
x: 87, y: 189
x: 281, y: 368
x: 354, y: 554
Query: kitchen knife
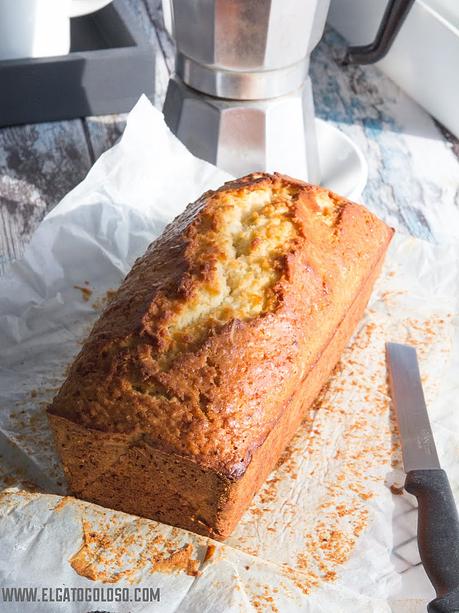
x: 438, y: 521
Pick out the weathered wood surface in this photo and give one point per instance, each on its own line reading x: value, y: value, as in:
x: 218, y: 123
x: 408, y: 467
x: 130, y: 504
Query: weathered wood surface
x: 39, y: 164
x: 414, y: 171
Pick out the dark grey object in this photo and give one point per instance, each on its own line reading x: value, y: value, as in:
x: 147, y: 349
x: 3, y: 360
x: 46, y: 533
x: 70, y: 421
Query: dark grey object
x: 393, y: 19
x: 438, y: 521
x: 109, y: 66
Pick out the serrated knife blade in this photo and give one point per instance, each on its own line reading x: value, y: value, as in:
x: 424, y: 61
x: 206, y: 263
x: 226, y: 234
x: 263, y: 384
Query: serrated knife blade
x: 438, y: 519
x: 418, y: 445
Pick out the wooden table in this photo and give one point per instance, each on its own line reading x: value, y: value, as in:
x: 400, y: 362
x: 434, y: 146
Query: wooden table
x: 413, y: 162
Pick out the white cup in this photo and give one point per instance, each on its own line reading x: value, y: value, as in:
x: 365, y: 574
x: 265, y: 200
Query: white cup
x: 39, y: 28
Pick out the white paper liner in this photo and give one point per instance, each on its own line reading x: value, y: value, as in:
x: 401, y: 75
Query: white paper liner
x: 319, y: 535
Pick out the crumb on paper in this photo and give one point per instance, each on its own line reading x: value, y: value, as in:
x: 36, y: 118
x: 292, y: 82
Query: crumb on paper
x: 209, y: 552
x: 338, y: 474
x: 177, y: 561
x: 397, y: 490
x: 86, y: 293
x: 264, y: 600
x: 100, y: 303
x: 110, y: 552
x: 65, y: 500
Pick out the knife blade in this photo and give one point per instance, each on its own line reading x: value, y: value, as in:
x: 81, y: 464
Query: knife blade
x: 418, y: 445
x: 438, y: 521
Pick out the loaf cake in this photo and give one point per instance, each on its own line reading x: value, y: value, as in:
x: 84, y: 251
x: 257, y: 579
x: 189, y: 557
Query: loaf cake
x: 203, y: 365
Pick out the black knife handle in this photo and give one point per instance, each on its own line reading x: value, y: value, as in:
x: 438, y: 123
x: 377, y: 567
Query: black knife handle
x: 438, y: 535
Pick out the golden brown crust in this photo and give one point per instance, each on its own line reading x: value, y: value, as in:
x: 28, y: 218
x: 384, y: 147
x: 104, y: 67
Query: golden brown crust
x: 181, y: 363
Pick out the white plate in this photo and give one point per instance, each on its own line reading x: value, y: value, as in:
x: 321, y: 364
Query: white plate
x: 343, y: 167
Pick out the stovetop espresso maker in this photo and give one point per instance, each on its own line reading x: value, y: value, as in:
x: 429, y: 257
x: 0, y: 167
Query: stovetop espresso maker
x: 241, y: 97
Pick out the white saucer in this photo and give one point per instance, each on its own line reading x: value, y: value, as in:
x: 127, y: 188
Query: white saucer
x: 343, y: 167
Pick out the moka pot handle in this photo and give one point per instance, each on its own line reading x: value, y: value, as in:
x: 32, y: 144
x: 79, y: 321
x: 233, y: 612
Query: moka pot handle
x: 393, y: 18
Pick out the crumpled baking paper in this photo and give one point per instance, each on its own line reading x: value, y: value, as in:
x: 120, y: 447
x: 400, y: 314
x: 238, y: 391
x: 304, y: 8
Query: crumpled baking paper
x: 331, y: 530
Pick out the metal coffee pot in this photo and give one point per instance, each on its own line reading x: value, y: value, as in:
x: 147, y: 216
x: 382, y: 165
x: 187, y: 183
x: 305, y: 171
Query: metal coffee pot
x: 241, y: 97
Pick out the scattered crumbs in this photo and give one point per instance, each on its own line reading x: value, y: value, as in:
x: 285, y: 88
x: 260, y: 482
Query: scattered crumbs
x: 397, y: 490
x: 330, y: 575
x: 177, y: 561
x: 62, y: 503
x: 10, y: 498
x: 389, y: 297
x: 86, y: 293
x: 305, y: 583
x: 345, y: 453
x: 209, y: 553
x: 264, y: 601
x: 109, y: 295
x: 100, y: 303
x: 317, y: 498
x: 110, y: 552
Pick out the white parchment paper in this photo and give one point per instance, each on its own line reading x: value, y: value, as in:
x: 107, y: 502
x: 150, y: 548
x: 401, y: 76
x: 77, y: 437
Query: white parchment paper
x: 325, y: 533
